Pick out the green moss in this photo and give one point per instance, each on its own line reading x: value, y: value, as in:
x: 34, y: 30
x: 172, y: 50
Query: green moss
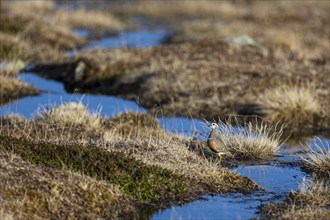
x: 11, y: 50
x: 11, y: 26
x: 144, y: 182
x: 135, y: 118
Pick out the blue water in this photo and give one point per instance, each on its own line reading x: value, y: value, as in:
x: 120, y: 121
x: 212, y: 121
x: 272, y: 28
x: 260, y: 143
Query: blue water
x: 233, y: 206
x: 319, y: 143
x: 277, y: 181
x: 187, y: 127
x: 280, y: 180
x: 54, y: 94
x: 82, y: 32
x: 139, y: 38
x: 109, y: 106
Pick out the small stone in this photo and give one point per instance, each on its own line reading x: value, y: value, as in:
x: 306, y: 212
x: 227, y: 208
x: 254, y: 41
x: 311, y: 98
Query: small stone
x: 241, y: 40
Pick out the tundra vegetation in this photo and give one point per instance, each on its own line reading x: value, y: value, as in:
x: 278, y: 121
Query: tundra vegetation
x: 311, y: 201
x: 129, y: 158
x: 223, y: 58
x: 316, y: 158
x: 38, y: 31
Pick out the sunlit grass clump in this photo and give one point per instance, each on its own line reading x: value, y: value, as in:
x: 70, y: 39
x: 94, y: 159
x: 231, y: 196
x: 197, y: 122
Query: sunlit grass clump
x: 131, y: 151
x: 317, y: 158
x: 259, y: 141
x: 71, y: 113
x: 295, y: 105
x: 311, y: 201
x: 12, y: 88
x: 11, y: 47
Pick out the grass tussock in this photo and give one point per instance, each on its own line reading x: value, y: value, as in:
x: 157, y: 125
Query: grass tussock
x: 296, y: 105
x: 70, y: 114
x: 311, y: 201
x: 70, y: 121
x: 12, y: 88
x: 71, y: 18
x: 92, y: 19
x: 132, y: 141
x: 12, y: 48
x: 266, y: 23
x: 19, y: 7
x: 33, y: 191
x: 258, y: 141
x: 23, y: 47
x: 175, y: 79
x: 316, y: 158
x: 133, y: 125
x: 145, y: 183
x: 60, y: 37
x: 47, y: 31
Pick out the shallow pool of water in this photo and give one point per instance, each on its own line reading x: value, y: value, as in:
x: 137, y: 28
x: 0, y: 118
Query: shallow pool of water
x: 278, y: 181
x: 54, y: 94
x: 139, y: 38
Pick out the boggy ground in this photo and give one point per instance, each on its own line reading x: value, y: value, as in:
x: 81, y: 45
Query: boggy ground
x: 132, y: 160
x: 38, y: 31
x: 226, y: 59
x: 203, y: 80
x: 311, y: 201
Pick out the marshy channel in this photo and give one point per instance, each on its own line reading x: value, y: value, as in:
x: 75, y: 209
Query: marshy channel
x: 277, y: 178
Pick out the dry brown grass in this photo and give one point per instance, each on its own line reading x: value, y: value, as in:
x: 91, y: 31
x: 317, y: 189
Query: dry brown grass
x: 283, y: 25
x: 209, y: 79
x: 142, y: 137
x: 46, y: 11
x: 64, y: 123
x: 130, y: 151
x: 170, y: 10
x: 251, y: 141
x: 297, y: 105
x: 27, y: 47
x: 47, y: 31
x: 311, y: 201
x: 12, y: 88
x: 31, y: 191
x: 316, y: 158
x: 21, y: 7
x: 12, y: 48
x: 137, y: 135
x: 92, y: 19
x: 57, y: 36
x: 70, y: 114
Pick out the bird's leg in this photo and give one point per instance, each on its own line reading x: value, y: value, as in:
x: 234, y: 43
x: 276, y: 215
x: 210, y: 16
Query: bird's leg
x: 220, y: 158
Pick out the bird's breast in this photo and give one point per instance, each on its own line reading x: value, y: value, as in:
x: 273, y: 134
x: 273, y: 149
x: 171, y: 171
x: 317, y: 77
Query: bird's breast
x: 212, y: 145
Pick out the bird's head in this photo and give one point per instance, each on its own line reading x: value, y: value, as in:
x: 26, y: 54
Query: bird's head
x: 214, y: 125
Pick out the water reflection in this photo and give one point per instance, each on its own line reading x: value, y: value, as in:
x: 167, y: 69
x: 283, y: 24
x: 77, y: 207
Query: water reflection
x: 278, y: 181
x: 55, y: 94
x: 272, y: 178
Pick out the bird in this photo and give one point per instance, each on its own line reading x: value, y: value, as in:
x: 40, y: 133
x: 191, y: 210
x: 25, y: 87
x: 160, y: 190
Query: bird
x: 213, y: 141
